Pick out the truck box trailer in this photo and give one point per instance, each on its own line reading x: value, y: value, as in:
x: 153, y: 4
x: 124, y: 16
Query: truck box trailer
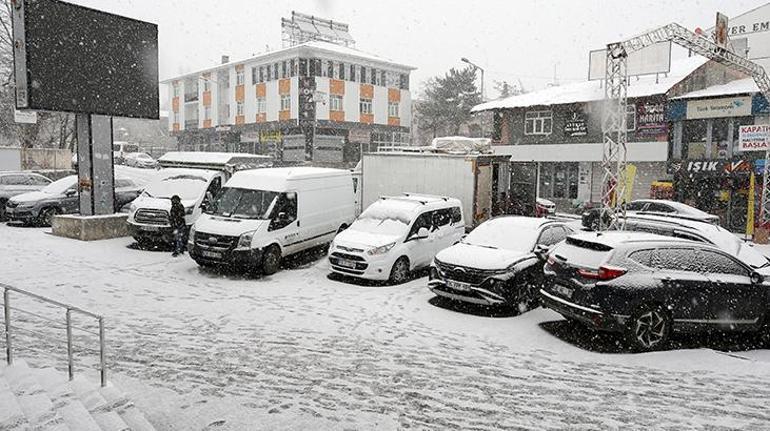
x: 479, y: 181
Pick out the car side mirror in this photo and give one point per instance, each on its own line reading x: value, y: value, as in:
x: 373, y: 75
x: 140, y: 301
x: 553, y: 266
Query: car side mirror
x: 422, y: 233
x: 282, y: 217
x: 756, y: 278
x: 70, y: 192
x: 541, y: 251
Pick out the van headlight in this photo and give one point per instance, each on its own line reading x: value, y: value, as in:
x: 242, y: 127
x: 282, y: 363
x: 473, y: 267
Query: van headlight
x: 244, y: 241
x: 191, y: 235
x: 189, y: 210
x: 382, y: 249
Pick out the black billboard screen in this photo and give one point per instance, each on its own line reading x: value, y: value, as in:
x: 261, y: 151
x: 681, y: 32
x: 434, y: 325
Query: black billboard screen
x: 87, y: 61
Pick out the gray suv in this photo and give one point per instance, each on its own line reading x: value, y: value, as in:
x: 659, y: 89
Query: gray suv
x: 16, y: 183
x: 61, y: 197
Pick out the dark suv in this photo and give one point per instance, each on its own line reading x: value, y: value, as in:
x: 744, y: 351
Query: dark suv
x: 646, y: 285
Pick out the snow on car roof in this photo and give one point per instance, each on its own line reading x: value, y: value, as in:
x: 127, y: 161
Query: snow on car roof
x: 679, y: 206
x: 520, y: 222
x: 616, y: 238
x: 588, y: 91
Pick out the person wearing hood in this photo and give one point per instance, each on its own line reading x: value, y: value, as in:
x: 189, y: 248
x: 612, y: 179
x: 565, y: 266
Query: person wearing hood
x: 177, y: 221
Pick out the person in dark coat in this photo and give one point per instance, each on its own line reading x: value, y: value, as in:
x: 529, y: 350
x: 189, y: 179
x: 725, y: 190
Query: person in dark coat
x: 177, y: 222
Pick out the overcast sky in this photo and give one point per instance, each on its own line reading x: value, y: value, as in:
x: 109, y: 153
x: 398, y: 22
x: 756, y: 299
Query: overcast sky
x: 531, y: 40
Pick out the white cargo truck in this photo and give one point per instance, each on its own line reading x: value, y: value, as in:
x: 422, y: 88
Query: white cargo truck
x: 479, y: 181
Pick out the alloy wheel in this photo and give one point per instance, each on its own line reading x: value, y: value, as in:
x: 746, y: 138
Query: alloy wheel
x: 650, y: 329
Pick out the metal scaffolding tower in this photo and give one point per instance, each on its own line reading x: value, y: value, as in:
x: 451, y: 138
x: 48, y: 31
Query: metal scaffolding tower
x: 301, y: 28
x: 614, y: 124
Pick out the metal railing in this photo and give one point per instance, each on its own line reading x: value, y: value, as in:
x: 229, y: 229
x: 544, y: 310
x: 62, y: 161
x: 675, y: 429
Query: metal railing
x: 69, y: 309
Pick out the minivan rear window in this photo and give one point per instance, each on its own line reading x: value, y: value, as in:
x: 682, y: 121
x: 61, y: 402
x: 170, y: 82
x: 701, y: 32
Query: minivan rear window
x: 581, y: 253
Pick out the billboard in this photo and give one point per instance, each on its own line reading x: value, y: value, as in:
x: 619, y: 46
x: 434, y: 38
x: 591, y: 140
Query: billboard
x: 647, y: 61
x: 76, y: 59
x: 753, y: 137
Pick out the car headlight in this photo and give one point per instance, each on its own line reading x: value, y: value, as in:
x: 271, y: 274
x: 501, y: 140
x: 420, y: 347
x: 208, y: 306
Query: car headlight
x: 381, y: 249
x: 244, y: 241
x: 188, y: 210
x: 191, y: 235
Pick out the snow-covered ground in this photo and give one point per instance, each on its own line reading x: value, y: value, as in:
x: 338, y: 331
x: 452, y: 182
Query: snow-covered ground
x: 298, y: 350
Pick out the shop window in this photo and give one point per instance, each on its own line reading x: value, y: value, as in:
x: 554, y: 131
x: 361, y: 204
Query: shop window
x: 694, y: 138
x: 559, y: 180
x: 538, y: 122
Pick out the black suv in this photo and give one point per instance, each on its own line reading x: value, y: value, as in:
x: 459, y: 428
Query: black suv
x: 646, y: 285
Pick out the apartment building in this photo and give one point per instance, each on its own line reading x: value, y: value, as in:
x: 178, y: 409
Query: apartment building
x: 314, y: 102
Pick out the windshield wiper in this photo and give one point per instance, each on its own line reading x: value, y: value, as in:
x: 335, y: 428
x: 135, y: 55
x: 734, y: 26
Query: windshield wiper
x: 483, y: 246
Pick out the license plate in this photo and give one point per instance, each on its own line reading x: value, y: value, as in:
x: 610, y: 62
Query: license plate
x: 456, y: 285
x: 150, y: 228
x: 346, y: 263
x: 212, y: 254
x: 563, y: 290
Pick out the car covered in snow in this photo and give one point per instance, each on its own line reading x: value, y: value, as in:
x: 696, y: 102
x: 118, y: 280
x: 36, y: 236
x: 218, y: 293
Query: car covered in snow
x: 645, y: 286
x: 61, y: 197
x: 140, y: 160
x: 264, y: 215
x: 16, y: 183
x: 498, y: 263
x: 397, y: 235
x: 701, y: 232
x: 590, y: 218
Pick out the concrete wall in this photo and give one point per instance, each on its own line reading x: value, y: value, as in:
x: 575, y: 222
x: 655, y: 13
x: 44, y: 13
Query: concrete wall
x: 10, y: 159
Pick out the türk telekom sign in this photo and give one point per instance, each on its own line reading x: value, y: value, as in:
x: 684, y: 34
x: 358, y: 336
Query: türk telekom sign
x: 754, y: 137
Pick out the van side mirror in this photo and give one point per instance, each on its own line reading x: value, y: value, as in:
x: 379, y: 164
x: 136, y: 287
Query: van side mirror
x: 422, y: 233
x: 756, y: 278
x: 282, y: 217
x: 70, y: 192
x: 541, y: 251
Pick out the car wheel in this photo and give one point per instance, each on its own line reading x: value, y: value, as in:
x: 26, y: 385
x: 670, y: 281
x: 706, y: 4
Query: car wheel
x: 271, y: 261
x: 46, y: 216
x: 2, y: 209
x: 649, y: 329
x: 528, y: 298
x: 400, y: 271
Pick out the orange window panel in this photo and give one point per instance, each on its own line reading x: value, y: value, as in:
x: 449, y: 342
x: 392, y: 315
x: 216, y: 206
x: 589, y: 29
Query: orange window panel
x: 207, y: 98
x: 336, y: 87
x: 367, y: 91
x: 240, y: 93
x: 284, y: 86
x: 338, y: 116
x: 176, y: 127
x: 175, y: 104
x: 261, y: 118
x: 394, y: 121
x: 206, y: 124
x: 240, y: 119
x: 394, y: 95
x: 261, y: 90
x: 284, y: 115
x: 239, y: 68
x: 367, y: 118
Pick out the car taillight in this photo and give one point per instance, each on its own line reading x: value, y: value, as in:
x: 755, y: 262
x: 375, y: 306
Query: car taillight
x: 603, y: 274
x: 551, y: 261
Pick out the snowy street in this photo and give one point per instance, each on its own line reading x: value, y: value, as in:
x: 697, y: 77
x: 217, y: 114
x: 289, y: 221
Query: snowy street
x: 298, y: 350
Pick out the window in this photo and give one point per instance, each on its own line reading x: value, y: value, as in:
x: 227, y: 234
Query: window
x: 285, y: 102
x: 239, y: 109
x: 275, y: 71
x: 635, y: 206
x: 207, y: 113
x: 261, y: 73
x: 315, y: 67
x: 292, y: 67
x: 284, y: 70
x: 335, y: 103
x: 269, y: 72
x: 404, y: 81
x: 285, y: 211
x: 643, y: 257
x: 239, y: 78
x: 457, y: 215
x: 538, y: 122
x: 254, y: 75
x: 382, y: 78
x: 366, y: 106
x: 176, y: 89
x: 630, y: 117
x: 552, y: 235
x: 713, y: 262
x: 176, y: 117
x: 675, y: 259
x: 261, y: 105
x: 342, y: 71
x: 442, y: 218
x: 559, y: 180
x: 659, y: 208
x: 425, y: 220
x: 325, y: 68
x: 393, y: 109
x: 362, y: 77
x: 330, y: 69
x: 352, y: 72
x: 373, y: 76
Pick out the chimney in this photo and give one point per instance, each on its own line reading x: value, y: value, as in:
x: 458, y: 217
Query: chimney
x: 225, y: 59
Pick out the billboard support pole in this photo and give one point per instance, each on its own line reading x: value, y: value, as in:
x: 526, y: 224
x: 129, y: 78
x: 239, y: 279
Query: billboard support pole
x: 96, y: 182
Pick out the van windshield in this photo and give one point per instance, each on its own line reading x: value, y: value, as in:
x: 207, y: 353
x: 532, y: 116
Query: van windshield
x: 242, y: 203
x: 187, y: 187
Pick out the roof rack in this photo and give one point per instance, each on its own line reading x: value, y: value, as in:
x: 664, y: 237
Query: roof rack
x: 444, y: 198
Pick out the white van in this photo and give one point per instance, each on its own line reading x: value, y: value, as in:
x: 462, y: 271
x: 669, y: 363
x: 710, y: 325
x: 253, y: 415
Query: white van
x: 396, y: 235
x: 196, y: 177
x: 120, y: 149
x: 263, y: 215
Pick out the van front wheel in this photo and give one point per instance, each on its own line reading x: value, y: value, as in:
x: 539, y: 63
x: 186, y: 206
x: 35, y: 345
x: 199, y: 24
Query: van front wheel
x: 400, y: 272
x: 271, y: 260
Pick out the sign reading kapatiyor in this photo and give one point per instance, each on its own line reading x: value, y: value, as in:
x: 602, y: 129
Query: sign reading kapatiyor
x: 70, y: 58
x: 754, y: 137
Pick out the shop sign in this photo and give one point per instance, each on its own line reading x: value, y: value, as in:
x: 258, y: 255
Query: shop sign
x: 249, y: 136
x: 712, y: 167
x: 651, y: 119
x: 719, y: 108
x: 754, y: 137
x: 576, y: 125
x: 270, y: 136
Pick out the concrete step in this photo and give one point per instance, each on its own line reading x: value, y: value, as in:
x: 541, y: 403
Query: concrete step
x: 32, y: 398
x: 11, y: 416
x: 69, y: 406
x: 103, y: 413
x: 130, y: 414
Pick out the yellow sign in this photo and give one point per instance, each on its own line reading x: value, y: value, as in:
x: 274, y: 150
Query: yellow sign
x: 630, y: 176
x: 750, y: 209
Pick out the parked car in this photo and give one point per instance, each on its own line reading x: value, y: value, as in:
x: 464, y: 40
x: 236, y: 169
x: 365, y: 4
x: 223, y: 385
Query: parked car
x: 121, y: 149
x: 61, y: 197
x: 140, y: 160
x: 397, y: 235
x: 645, y: 286
x: 15, y: 183
x: 498, y: 262
x: 653, y: 206
x: 701, y: 232
x: 263, y: 215
x: 544, y: 208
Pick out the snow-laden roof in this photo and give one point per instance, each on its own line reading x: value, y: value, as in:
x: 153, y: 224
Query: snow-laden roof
x: 740, y: 86
x: 301, y: 49
x: 209, y: 158
x: 588, y: 91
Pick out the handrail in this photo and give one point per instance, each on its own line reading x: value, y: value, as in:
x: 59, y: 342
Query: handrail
x: 68, y: 325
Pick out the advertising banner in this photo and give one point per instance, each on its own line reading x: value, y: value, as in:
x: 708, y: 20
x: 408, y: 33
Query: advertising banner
x: 651, y: 119
x: 753, y: 137
x: 719, y: 108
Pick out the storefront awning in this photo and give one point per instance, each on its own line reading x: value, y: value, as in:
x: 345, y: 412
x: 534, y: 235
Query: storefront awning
x: 637, y: 152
